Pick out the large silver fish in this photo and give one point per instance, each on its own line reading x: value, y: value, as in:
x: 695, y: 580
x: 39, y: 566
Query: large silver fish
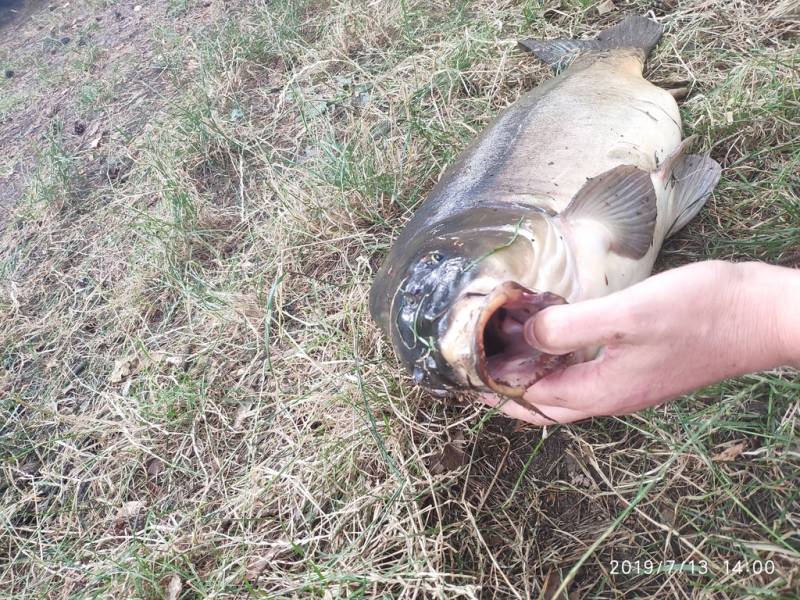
x: 567, y: 195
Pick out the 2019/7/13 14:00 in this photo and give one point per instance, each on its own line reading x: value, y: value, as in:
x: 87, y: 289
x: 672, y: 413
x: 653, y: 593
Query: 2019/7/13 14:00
x: 646, y: 567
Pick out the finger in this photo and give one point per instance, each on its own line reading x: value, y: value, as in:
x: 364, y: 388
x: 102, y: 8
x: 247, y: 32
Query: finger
x: 510, y: 408
x: 580, y: 387
x: 569, y: 327
x: 548, y: 415
x: 559, y: 415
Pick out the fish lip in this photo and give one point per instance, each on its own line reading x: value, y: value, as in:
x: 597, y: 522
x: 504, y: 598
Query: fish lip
x: 512, y: 293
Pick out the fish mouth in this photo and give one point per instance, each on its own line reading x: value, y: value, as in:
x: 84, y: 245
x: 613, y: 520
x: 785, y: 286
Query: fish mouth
x: 505, y: 362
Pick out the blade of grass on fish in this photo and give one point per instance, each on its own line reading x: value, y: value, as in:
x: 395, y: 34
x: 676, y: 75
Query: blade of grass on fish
x: 514, y: 236
x: 414, y: 330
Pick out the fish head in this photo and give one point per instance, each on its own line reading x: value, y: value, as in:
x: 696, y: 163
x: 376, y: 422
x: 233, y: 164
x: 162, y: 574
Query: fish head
x: 455, y: 301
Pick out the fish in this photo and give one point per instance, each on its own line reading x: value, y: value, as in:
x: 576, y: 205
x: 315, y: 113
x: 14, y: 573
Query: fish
x: 568, y: 194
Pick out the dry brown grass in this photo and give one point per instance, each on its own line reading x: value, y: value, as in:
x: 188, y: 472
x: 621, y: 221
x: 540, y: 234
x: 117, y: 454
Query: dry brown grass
x: 194, y: 400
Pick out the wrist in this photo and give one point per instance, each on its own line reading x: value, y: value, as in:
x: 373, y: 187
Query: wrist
x: 769, y: 300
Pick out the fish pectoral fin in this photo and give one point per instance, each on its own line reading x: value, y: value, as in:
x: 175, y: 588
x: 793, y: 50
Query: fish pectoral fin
x: 692, y: 178
x: 633, y: 32
x: 624, y: 201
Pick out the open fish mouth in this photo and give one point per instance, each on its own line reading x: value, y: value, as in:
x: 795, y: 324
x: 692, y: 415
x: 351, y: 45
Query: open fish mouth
x: 505, y: 362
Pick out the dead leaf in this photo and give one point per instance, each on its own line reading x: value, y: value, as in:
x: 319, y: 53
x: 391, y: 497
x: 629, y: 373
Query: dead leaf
x: 255, y: 567
x: 130, y: 515
x: 153, y: 467
x: 244, y: 411
x: 606, y: 7
x: 450, y: 459
x: 550, y: 585
x: 246, y: 305
x: 130, y: 509
x: 128, y: 365
x: 521, y: 426
x: 257, y: 564
x: 730, y: 453
x: 94, y: 134
x: 667, y: 514
x: 122, y: 369
x: 665, y: 5
x: 172, y: 587
x: 175, y: 361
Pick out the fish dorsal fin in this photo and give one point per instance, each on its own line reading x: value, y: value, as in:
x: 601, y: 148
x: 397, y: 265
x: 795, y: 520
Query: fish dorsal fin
x: 624, y: 201
x: 633, y: 32
x: 560, y: 52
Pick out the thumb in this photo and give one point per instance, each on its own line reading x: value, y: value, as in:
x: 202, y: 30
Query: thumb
x: 578, y: 388
x: 568, y: 327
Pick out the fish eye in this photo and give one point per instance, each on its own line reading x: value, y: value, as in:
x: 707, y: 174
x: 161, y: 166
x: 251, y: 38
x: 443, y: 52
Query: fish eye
x: 412, y: 298
x: 433, y: 258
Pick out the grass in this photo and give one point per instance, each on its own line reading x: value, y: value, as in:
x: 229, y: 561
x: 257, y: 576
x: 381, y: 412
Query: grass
x: 193, y: 399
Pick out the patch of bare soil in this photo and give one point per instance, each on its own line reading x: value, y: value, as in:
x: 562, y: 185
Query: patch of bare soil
x: 13, y: 12
x: 95, y: 71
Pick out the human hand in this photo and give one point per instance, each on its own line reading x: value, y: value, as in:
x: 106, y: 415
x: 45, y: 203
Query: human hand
x: 666, y: 336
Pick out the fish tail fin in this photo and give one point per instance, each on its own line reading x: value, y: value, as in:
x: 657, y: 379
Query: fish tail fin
x: 634, y: 32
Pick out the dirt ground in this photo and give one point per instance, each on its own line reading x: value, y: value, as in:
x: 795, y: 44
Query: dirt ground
x: 194, y: 402
x: 69, y: 54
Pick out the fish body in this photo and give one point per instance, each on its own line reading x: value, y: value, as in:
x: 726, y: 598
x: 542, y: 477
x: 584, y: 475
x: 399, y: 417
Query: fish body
x: 567, y: 195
